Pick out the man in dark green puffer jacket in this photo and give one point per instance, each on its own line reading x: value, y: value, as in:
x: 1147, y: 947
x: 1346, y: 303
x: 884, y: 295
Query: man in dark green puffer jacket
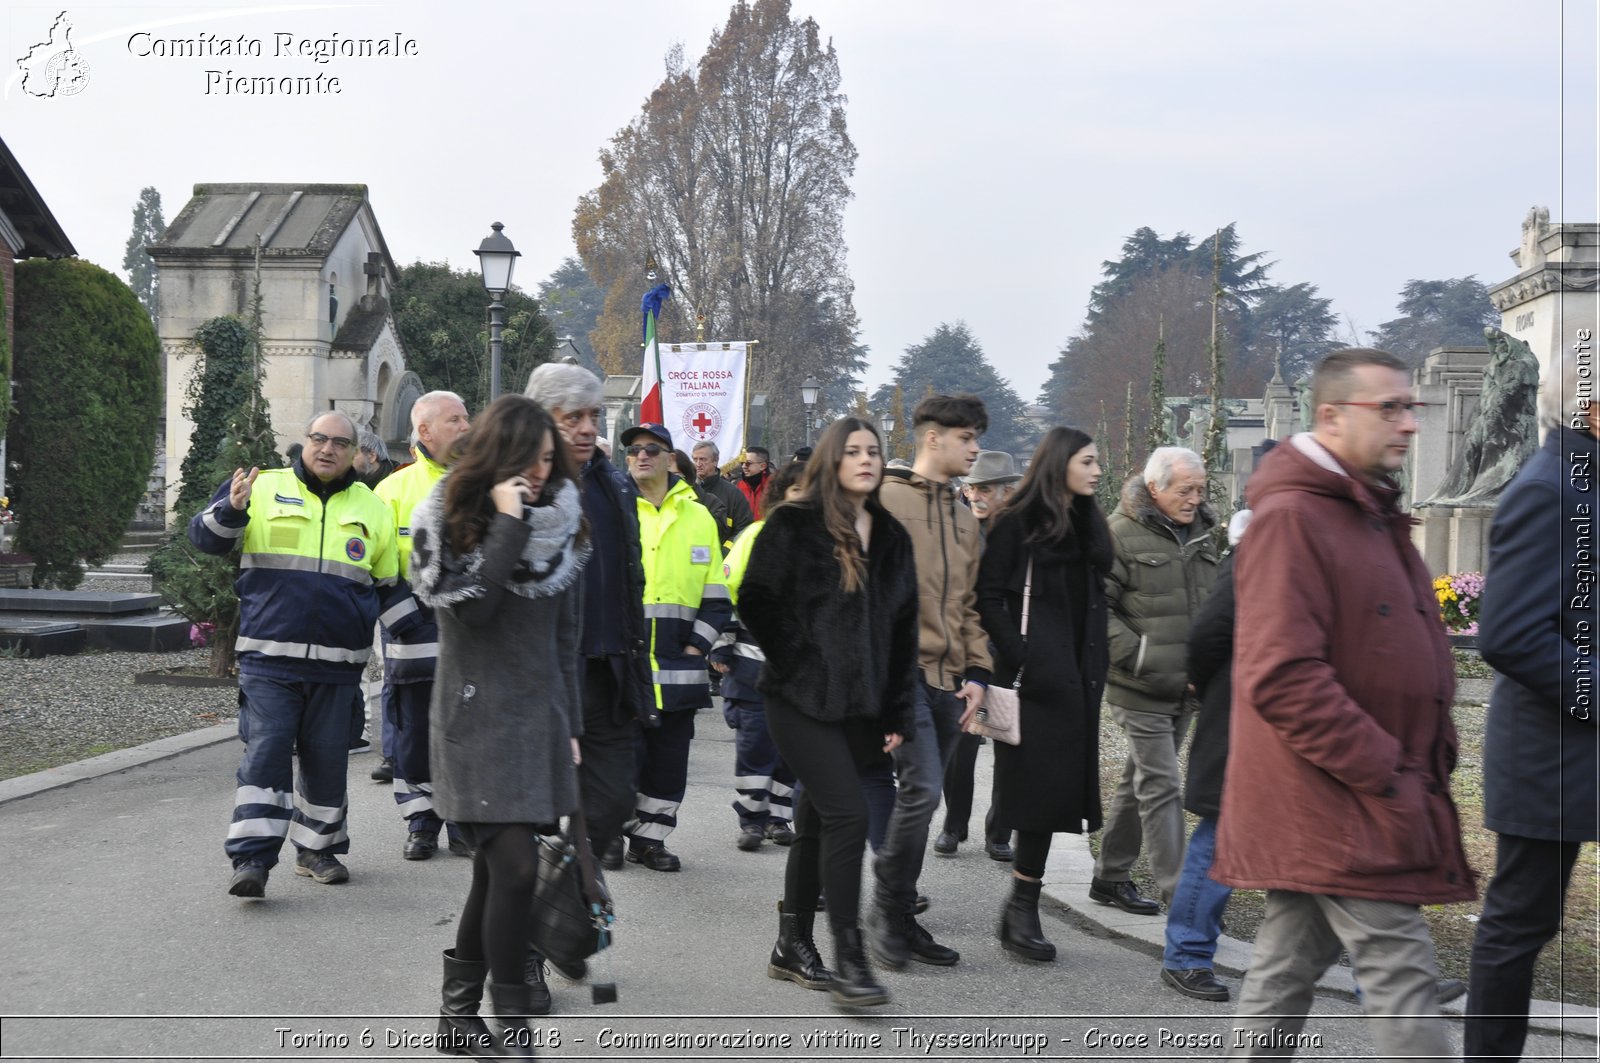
x: 1165, y: 565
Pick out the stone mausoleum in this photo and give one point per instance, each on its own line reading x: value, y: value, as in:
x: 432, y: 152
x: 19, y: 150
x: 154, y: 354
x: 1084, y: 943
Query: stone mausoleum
x: 331, y: 341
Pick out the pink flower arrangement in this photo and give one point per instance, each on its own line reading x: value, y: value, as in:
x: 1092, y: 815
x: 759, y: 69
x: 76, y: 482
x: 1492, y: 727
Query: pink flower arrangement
x: 1459, y: 594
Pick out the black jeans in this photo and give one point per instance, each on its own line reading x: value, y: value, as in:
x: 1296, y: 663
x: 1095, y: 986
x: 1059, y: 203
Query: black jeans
x: 830, y: 817
x: 959, y: 786
x: 1521, y: 913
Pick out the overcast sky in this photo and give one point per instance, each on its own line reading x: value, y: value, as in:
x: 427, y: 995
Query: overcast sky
x: 1006, y: 148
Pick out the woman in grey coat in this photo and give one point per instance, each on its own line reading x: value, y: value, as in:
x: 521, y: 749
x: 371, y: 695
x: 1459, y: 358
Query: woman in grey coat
x: 497, y: 549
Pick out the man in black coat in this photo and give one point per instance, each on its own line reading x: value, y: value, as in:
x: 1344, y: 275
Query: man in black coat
x: 1537, y: 627
x: 617, y: 696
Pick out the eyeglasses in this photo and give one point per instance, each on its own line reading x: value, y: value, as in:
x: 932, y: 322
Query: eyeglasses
x: 1390, y: 409
x: 752, y: 461
x: 317, y: 439
x: 649, y: 450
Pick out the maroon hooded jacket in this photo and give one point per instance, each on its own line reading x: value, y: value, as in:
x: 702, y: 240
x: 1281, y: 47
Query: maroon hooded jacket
x: 1341, y: 738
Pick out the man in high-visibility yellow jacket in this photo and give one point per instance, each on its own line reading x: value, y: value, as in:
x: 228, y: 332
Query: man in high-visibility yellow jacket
x: 317, y: 565
x: 686, y: 605
x: 439, y: 425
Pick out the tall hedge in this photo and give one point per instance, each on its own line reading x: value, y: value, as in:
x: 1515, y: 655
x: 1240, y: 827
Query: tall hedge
x: 88, y: 373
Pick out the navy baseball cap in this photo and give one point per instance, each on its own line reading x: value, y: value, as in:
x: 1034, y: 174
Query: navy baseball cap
x: 647, y: 429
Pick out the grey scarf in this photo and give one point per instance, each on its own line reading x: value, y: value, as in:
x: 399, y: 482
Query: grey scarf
x: 551, y: 558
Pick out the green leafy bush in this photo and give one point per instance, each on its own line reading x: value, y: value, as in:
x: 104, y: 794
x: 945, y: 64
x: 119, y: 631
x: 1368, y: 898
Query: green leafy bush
x: 88, y: 373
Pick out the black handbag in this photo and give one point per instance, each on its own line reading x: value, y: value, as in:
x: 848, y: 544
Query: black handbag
x: 572, y: 913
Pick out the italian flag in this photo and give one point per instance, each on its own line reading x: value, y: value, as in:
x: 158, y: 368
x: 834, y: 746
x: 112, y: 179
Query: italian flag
x: 650, y: 407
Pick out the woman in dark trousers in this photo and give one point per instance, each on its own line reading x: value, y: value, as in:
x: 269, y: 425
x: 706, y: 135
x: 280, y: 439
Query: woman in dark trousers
x: 830, y: 595
x: 1051, y: 782
x: 497, y: 550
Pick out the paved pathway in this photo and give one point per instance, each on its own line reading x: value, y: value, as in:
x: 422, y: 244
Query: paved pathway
x: 121, y: 943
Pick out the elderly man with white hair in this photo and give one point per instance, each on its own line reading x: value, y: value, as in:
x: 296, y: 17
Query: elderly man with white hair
x: 439, y: 425
x: 1164, y: 568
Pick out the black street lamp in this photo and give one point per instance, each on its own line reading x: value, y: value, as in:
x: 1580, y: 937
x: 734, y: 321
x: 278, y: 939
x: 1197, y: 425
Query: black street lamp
x: 808, y: 395
x: 887, y: 423
x: 496, y: 258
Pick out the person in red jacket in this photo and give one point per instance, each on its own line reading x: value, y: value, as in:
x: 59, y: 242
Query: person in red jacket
x: 756, y: 468
x: 1336, y: 799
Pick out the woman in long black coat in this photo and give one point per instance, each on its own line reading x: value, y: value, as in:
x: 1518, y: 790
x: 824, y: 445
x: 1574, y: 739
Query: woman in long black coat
x: 1051, y: 782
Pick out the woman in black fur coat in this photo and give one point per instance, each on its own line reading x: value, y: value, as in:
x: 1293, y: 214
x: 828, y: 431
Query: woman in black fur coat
x: 830, y: 595
x: 1051, y: 782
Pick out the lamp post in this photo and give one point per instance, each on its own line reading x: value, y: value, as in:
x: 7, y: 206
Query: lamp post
x: 887, y: 421
x: 808, y: 395
x: 496, y: 258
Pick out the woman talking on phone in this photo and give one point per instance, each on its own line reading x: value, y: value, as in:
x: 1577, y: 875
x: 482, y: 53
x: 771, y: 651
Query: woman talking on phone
x: 830, y: 596
x: 497, y: 549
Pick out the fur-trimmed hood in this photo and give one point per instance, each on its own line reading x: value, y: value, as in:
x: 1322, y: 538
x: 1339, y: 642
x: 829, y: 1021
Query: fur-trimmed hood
x: 1138, y: 503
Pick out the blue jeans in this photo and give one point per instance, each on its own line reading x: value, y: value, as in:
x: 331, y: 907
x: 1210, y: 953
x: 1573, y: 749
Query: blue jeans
x: 1194, y: 918
x: 919, y: 766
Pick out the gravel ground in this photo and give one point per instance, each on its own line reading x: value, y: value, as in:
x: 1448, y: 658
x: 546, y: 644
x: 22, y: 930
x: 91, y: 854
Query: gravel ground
x: 54, y: 710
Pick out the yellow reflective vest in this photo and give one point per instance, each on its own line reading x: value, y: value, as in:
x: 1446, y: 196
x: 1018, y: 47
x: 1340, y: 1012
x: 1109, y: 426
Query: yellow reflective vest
x: 686, y: 600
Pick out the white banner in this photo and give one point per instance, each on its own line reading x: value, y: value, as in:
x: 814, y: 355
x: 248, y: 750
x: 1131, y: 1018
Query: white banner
x: 702, y: 395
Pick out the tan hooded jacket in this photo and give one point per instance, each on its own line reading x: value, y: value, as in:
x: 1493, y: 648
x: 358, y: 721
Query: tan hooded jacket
x: 951, y: 642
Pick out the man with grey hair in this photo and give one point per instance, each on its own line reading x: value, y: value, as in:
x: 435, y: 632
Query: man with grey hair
x: 617, y: 692
x: 1164, y: 567
x: 439, y: 425
x: 708, y: 476
x: 372, y: 457
x: 317, y: 564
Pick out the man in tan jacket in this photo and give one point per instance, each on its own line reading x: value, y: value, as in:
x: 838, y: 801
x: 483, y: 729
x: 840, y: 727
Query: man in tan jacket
x: 954, y: 654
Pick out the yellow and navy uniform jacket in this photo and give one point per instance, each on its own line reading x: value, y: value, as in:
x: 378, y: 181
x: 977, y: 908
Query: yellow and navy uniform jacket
x: 685, y: 599
x: 317, y: 564
x: 737, y: 648
x: 409, y: 658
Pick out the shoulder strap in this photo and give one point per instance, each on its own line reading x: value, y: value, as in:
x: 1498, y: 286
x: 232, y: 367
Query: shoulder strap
x: 1027, y: 595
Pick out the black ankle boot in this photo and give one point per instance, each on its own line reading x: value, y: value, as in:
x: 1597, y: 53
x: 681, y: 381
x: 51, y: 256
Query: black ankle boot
x: 853, y: 984
x: 512, y: 1006
x: 539, y: 1002
x: 1020, y: 931
x: 795, y: 956
x: 461, y: 1031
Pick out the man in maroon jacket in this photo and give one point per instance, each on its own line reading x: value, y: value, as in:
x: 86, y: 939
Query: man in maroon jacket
x: 1337, y: 800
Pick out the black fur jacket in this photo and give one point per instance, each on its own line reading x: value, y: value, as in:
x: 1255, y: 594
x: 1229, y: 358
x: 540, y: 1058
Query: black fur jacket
x: 831, y: 655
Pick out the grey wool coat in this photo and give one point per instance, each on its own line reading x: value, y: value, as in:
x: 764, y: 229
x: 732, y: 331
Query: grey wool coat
x: 506, y: 696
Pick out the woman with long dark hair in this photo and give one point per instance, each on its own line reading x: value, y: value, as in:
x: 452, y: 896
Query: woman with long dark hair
x: 830, y: 595
x: 1051, y: 544
x: 497, y: 550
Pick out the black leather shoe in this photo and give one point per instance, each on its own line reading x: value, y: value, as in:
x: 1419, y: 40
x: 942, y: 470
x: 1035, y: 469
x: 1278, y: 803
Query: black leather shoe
x: 611, y: 858
x: 249, y: 880
x: 539, y: 1002
x: 1198, y: 982
x: 1000, y: 851
x: 779, y: 832
x: 946, y: 843
x: 926, y: 950
x: 460, y: 847
x: 420, y: 845
x: 384, y: 772
x: 655, y: 857
x: 1121, y: 895
x: 750, y: 838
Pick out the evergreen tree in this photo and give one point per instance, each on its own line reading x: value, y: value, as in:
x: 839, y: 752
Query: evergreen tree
x: 233, y: 430
x: 950, y: 361
x: 572, y: 304
x: 1158, y: 435
x: 148, y: 225
x: 88, y: 375
x: 1446, y: 313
